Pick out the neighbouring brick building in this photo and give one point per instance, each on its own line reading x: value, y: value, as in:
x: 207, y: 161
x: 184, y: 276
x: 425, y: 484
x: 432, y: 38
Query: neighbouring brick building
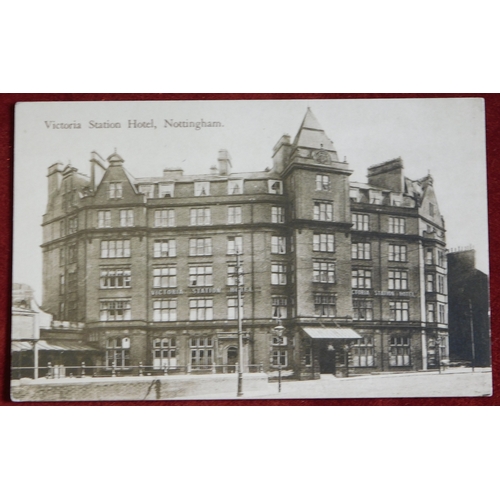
x: 469, y: 309
x: 355, y: 273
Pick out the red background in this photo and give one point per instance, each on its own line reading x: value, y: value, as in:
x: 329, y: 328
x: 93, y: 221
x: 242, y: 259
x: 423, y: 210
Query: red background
x: 7, y: 102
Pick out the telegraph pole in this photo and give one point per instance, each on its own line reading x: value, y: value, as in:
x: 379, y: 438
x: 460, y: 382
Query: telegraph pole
x: 240, y: 324
x: 472, y: 340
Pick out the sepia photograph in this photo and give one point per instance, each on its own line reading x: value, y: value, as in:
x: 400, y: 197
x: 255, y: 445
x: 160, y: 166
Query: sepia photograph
x: 250, y: 249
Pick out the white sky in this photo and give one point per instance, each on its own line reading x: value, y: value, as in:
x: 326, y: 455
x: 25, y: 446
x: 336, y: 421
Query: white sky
x: 445, y: 136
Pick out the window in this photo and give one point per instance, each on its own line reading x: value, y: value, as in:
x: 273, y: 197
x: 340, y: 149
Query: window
x: 396, y: 199
x: 164, y: 353
x: 201, y: 352
x: 62, y: 256
x: 277, y: 215
x: 202, y: 188
x: 72, y: 254
x: 201, y: 309
x: 354, y: 194
x: 118, y: 353
x: 397, y: 225
x: 234, y: 215
x: 399, y: 351
x: 147, y: 189
x: 278, y: 274
x: 61, y: 284
x: 362, y: 309
x: 166, y: 190
x: 361, y: 222
x: 429, y: 287
x: 232, y: 275
x: 232, y: 308
x: 442, y: 313
x: 429, y: 257
x: 73, y: 225
x: 441, y: 287
x: 165, y: 277
x: 375, y: 197
x: 278, y: 244
x: 200, y: 246
x: 361, y: 278
x: 397, y: 253
x: 279, y: 340
x: 115, y: 190
x: 165, y: 310
x: 323, y: 211
x: 431, y: 312
x: 361, y: 251
x: 323, y: 243
x: 111, y: 249
x: 235, y: 187
x: 115, y: 278
x: 164, y: 248
x: 279, y: 358
x: 165, y: 218
x: 104, y: 218
x: 275, y: 187
x: 325, y: 306
x: 363, y: 352
x: 115, y: 310
x: 279, y: 307
x: 234, y: 245
x: 200, y: 217
x: 323, y: 183
x: 323, y: 272
x: 441, y: 258
x: 398, y: 280
x: 200, y: 276
x: 126, y: 218
x: 431, y: 209
x: 399, y: 311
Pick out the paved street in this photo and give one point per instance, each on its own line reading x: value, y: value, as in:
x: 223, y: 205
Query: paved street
x: 451, y: 383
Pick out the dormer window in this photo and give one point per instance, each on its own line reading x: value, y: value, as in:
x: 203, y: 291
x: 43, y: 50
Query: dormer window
x: 115, y: 190
x: 235, y: 187
x: 166, y: 190
x: 375, y: 197
x: 354, y: 195
x: 202, y: 188
x: 396, y: 199
x: 275, y: 187
x: 146, y: 189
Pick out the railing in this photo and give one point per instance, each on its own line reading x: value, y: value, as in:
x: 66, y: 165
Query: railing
x: 51, y: 371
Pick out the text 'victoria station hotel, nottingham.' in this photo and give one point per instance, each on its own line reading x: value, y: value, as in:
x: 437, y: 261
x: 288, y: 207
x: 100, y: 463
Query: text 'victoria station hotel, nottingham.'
x: 167, y: 272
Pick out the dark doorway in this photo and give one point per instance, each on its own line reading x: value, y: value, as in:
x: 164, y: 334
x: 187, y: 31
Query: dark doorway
x: 232, y: 355
x: 327, y: 360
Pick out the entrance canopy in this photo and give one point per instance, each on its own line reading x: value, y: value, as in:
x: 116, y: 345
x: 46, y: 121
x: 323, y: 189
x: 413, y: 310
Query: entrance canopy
x: 43, y: 345
x: 331, y: 333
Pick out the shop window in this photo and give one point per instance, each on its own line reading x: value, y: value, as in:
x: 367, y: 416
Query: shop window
x: 202, y: 352
x: 118, y: 353
x: 164, y: 353
x: 362, y: 352
x: 399, y: 351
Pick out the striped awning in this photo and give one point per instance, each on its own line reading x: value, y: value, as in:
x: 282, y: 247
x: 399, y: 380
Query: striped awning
x: 43, y: 345
x: 331, y: 333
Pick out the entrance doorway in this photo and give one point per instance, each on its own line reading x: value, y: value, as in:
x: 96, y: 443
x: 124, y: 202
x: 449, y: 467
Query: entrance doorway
x: 232, y: 357
x: 327, y: 360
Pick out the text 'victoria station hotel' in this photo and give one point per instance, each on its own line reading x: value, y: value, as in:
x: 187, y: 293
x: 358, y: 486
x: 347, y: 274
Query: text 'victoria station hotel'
x: 150, y: 268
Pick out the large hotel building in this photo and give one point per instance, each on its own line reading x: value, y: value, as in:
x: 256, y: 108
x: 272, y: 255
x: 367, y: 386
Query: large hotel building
x: 149, y: 268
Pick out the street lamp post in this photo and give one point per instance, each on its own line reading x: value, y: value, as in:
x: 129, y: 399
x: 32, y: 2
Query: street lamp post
x: 279, y: 330
x: 240, y: 325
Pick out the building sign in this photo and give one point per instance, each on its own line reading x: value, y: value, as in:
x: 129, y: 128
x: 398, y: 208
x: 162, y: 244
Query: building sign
x: 383, y: 293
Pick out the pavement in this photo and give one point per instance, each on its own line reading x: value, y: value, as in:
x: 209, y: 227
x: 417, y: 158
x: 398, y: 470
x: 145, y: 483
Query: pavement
x: 453, y: 382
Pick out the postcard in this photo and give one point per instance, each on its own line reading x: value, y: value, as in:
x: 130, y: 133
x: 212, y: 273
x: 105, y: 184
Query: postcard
x: 256, y: 249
